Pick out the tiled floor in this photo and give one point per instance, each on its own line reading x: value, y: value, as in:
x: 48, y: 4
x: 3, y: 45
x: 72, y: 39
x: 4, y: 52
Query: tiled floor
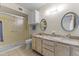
x: 22, y: 51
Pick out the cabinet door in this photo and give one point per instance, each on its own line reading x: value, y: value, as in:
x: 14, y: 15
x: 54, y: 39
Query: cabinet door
x: 62, y: 50
x: 74, y: 51
x: 33, y: 43
x: 38, y: 45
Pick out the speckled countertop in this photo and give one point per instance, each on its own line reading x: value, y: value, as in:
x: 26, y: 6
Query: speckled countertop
x: 59, y: 39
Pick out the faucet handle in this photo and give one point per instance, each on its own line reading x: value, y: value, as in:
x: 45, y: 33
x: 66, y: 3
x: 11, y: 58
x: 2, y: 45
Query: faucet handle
x: 68, y: 35
x: 53, y: 33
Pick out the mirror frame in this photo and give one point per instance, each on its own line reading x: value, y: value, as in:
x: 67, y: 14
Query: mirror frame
x: 41, y: 26
x: 75, y: 18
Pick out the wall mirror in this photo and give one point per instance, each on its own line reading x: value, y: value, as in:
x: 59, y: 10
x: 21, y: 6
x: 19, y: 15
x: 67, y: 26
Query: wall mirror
x: 43, y: 24
x: 68, y: 22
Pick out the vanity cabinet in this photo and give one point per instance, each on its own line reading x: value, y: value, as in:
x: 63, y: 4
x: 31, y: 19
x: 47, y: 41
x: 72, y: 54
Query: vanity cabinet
x: 36, y: 44
x: 62, y: 49
x: 48, y: 48
x: 74, y: 51
x: 52, y: 48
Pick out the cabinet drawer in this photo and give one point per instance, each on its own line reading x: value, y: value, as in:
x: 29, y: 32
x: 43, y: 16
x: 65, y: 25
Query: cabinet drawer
x: 47, y: 52
x: 38, y: 45
x: 48, y: 42
x: 51, y: 48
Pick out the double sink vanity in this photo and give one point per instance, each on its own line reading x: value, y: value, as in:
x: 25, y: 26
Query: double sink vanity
x: 52, y: 45
x: 58, y: 45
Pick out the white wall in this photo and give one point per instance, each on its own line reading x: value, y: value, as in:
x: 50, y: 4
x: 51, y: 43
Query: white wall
x: 54, y: 20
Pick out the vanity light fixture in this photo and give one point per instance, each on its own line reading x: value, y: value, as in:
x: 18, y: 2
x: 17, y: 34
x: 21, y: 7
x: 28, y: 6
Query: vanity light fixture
x: 55, y: 9
x: 51, y: 11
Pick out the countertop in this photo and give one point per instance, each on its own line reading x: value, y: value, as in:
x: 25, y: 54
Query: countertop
x: 65, y: 40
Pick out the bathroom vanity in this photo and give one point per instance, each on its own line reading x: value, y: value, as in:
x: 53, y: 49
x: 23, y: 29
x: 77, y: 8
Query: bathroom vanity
x: 55, y: 46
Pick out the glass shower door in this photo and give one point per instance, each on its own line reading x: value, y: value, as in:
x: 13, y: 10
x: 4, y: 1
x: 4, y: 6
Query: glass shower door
x: 1, y: 35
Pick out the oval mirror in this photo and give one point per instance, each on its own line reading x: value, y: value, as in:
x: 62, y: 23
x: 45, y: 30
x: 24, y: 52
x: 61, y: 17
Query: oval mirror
x: 43, y: 24
x: 68, y: 22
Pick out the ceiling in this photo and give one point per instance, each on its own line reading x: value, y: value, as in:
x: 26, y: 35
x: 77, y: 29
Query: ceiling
x: 32, y: 6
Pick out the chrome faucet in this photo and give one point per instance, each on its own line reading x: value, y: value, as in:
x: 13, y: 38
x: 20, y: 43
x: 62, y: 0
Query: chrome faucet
x: 68, y: 35
x: 53, y: 34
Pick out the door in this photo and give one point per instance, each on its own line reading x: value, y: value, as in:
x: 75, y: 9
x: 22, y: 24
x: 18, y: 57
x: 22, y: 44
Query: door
x: 74, y: 51
x: 38, y: 45
x: 33, y: 43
